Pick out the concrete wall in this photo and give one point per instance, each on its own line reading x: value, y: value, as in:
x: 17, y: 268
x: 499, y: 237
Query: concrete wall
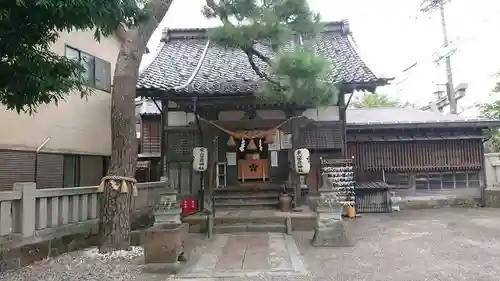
x: 492, y: 170
x: 76, y: 125
x: 328, y: 113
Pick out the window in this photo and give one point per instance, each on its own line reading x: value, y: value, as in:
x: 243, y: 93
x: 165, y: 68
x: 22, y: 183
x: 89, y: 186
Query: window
x: 447, y: 180
x: 460, y: 180
x: 398, y: 180
x: 97, y: 72
x: 138, y: 130
x: 71, y: 171
x: 421, y: 182
x: 473, y: 179
x: 434, y: 181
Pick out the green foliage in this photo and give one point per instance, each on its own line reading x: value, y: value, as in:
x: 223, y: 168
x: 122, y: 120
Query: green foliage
x: 297, y: 76
x: 491, y: 111
x: 30, y: 73
x: 377, y: 100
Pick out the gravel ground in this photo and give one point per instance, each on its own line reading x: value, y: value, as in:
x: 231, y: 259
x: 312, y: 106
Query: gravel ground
x: 85, y: 265
x: 445, y: 245
x: 89, y: 265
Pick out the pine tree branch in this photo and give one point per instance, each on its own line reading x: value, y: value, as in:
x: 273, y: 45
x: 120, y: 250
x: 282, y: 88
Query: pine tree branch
x: 159, y: 9
x: 260, y: 55
x: 219, y: 11
x: 429, y: 6
x: 260, y: 73
x: 251, y: 51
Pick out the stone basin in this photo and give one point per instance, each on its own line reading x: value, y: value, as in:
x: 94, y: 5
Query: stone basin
x: 164, y: 243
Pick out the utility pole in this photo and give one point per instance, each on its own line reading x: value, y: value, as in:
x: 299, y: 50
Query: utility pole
x: 430, y: 6
x: 450, y: 88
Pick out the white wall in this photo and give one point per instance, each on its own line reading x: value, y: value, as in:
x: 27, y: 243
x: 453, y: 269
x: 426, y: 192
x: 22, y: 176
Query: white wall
x: 329, y: 113
x: 76, y: 125
x: 180, y: 118
x: 263, y: 114
x: 325, y: 113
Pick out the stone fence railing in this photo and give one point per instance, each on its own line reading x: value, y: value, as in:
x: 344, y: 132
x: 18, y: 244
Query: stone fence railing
x: 492, y: 170
x: 29, y: 212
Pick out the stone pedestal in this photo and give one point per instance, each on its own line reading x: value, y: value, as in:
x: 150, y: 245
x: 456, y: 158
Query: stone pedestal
x: 330, y: 229
x: 168, y: 216
x: 164, y: 247
x: 168, y: 210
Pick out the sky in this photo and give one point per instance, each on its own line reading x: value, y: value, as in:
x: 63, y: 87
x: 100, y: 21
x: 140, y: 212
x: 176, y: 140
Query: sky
x: 391, y: 35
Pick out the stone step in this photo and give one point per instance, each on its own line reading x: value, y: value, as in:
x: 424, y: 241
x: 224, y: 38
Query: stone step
x: 248, y: 208
x: 231, y: 195
x: 248, y: 220
x: 245, y: 195
x: 245, y: 202
x: 238, y: 228
x: 250, y: 187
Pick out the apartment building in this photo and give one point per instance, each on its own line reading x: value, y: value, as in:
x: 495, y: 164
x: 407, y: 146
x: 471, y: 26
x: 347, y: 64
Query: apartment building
x: 76, y: 132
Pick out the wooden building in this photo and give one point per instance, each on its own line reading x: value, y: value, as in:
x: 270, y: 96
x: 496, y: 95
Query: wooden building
x: 192, y: 77
x: 419, y: 152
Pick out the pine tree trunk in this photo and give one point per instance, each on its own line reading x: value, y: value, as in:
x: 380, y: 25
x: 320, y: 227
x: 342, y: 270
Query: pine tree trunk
x: 114, y: 215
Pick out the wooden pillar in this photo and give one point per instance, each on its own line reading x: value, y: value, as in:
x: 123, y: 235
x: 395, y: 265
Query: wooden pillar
x: 164, y: 166
x: 210, y: 135
x: 342, y: 117
x: 295, y: 128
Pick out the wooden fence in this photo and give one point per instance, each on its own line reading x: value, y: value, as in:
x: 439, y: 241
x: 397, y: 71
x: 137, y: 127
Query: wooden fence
x: 26, y: 211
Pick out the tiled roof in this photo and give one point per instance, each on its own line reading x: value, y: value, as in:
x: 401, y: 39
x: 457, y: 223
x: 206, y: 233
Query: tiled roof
x: 365, y: 116
x: 226, y: 70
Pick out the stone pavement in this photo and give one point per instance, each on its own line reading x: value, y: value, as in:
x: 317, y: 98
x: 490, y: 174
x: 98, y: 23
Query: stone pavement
x: 248, y: 254
x: 451, y: 244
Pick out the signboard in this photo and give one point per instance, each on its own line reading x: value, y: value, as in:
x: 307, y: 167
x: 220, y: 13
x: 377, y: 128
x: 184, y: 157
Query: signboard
x: 274, y: 158
x: 276, y: 145
x: 231, y: 158
x: 286, y: 140
x: 143, y: 164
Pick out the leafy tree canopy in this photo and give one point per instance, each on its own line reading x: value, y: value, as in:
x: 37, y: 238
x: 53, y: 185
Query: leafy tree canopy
x: 377, y: 100
x: 30, y: 73
x: 296, y: 76
x: 491, y: 110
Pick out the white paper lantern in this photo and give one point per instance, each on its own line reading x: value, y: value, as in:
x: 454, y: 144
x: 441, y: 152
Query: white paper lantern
x: 200, y: 159
x: 302, y: 161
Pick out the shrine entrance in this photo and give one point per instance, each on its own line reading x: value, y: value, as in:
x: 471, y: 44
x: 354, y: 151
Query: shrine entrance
x: 253, y: 160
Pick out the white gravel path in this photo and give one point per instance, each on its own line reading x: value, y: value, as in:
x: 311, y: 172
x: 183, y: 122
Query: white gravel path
x: 86, y: 265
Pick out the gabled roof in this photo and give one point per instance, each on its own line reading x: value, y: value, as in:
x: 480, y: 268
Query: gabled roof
x: 409, y: 117
x: 189, y: 63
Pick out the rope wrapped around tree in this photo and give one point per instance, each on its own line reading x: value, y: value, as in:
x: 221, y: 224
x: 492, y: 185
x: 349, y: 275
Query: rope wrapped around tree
x: 119, y: 183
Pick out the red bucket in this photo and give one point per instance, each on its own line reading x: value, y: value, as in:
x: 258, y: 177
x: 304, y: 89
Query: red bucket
x: 189, y: 206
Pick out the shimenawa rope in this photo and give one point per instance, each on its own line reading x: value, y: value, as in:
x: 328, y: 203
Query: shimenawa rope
x: 119, y: 182
x: 246, y: 137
